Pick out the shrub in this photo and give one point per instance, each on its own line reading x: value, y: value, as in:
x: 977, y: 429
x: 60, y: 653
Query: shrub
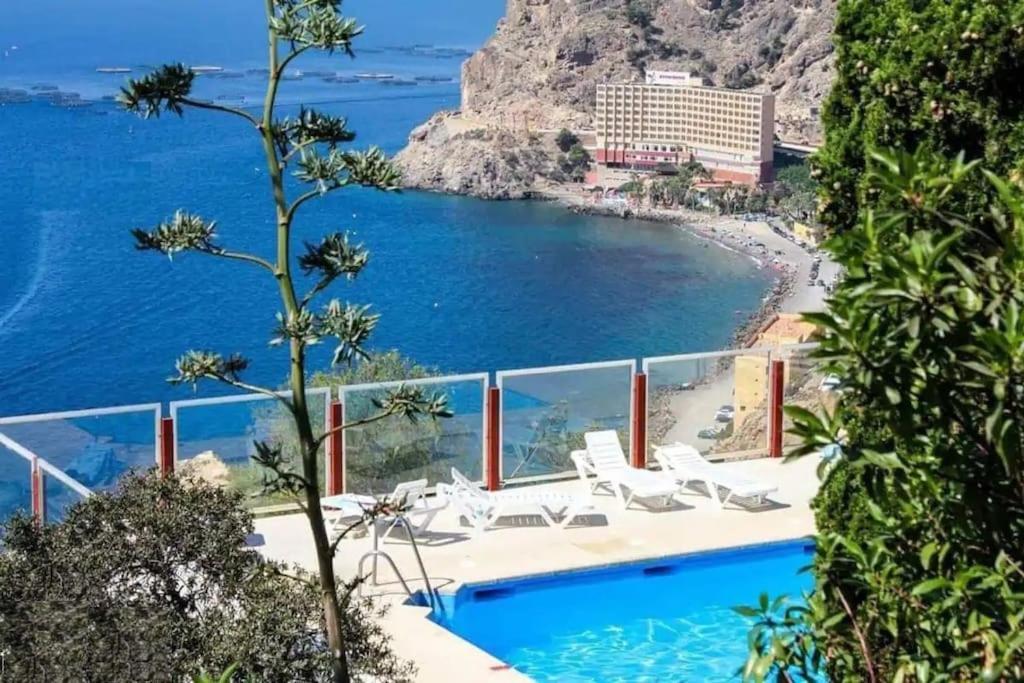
x: 638, y: 14
x: 576, y: 163
x: 741, y: 77
x: 795, y: 189
x: 154, y: 583
x: 943, y: 75
x: 637, y: 57
x: 383, y: 453
x: 668, y: 50
x: 386, y: 366
x: 920, y: 553
x: 566, y: 139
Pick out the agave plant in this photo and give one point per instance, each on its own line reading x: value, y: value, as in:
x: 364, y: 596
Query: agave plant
x: 311, y: 148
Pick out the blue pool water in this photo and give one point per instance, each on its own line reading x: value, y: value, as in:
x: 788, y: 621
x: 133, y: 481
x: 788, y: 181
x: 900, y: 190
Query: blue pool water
x: 664, y: 620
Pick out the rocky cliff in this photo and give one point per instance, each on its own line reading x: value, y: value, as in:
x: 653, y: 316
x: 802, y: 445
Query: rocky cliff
x: 539, y: 71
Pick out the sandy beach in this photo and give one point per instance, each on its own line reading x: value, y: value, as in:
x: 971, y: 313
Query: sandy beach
x: 755, y: 239
x: 681, y: 415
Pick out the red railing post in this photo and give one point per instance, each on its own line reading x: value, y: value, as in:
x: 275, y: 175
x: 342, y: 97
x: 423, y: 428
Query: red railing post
x: 492, y: 463
x: 640, y: 420
x: 336, y: 450
x: 166, y: 446
x: 38, y: 493
x: 776, y: 392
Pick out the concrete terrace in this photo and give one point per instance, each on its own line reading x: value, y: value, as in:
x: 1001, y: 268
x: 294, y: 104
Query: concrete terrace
x: 524, y: 546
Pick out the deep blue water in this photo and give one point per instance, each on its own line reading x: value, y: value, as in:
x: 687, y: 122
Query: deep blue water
x: 661, y: 620
x: 464, y: 284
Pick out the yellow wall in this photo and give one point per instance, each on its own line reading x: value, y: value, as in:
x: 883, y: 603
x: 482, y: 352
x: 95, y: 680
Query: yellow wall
x: 810, y: 234
x: 751, y: 388
x: 788, y: 328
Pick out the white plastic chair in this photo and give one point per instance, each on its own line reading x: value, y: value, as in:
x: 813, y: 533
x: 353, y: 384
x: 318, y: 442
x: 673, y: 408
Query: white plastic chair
x: 483, y: 508
x: 686, y: 464
x: 409, y: 497
x: 605, y: 459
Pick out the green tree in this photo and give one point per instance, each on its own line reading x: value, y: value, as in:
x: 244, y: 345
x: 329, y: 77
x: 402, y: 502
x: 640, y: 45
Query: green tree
x: 943, y: 75
x: 381, y: 454
x: 566, y: 139
x: 638, y: 14
x: 575, y: 163
x: 630, y: 187
x: 657, y: 193
x: 795, y: 175
x: 312, y: 146
x: 691, y: 172
x: 154, y: 582
x: 729, y: 199
x: 920, y: 552
x: 386, y: 366
x: 795, y: 191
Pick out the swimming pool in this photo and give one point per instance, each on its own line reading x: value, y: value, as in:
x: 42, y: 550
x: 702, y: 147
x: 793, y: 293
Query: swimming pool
x: 661, y: 620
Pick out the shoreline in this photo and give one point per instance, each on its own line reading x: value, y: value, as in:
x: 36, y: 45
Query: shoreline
x: 721, y: 231
x: 674, y: 415
x: 789, y: 263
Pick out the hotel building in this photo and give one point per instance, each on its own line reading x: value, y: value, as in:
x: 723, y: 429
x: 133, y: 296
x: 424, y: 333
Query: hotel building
x: 673, y: 118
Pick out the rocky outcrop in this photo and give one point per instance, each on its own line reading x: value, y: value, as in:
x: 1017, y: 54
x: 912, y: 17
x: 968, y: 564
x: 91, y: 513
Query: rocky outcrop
x: 446, y: 155
x: 540, y: 69
x: 205, y: 468
x: 548, y: 55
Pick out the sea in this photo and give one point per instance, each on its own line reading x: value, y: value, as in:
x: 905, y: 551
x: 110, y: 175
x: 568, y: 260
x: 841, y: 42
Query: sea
x: 461, y: 284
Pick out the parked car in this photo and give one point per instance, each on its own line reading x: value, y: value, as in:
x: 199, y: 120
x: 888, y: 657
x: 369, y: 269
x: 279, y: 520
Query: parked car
x: 714, y: 432
x: 831, y: 383
x: 725, y: 414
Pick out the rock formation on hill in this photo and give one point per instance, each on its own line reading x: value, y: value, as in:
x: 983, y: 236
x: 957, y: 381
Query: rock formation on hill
x: 539, y: 71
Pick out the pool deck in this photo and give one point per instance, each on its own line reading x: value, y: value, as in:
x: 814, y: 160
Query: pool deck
x: 524, y: 546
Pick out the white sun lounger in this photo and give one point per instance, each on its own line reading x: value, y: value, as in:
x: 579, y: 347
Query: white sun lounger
x: 410, y: 496
x: 686, y: 464
x: 483, y: 508
x: 605, y: 459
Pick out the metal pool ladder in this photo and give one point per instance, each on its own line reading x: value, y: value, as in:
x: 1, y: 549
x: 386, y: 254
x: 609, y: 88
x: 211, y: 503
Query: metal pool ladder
x: 377, y: 553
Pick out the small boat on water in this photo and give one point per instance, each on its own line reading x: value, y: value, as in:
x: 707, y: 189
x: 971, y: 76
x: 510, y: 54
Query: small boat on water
x: 398, y: 81
x: 370, y: 76
x: 14, y: 96
x: 207, y: 69
x: 63, y: 99
x: 113, y: 70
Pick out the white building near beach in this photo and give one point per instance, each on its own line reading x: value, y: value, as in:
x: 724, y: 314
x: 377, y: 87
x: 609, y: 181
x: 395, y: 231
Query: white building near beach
x: 673, y: 118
